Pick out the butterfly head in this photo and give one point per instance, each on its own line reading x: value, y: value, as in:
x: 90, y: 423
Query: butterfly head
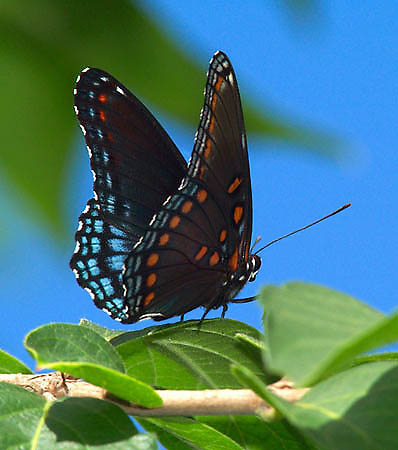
x: 253, y: 266
x: 246, y: 272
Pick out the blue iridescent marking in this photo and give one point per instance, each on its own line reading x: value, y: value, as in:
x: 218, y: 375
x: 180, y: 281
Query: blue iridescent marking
x: 94, y: 271
x: 116, y: 261
x: 94, y: 285
x: 95, y: 241
x: 137, y: 263
x: 99, y: 226
x: 119, y: 303
x: 105, y: 157
x: 91, y: 262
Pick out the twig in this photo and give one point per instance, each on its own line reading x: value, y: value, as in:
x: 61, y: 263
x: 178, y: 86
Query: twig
x: 175, y: 402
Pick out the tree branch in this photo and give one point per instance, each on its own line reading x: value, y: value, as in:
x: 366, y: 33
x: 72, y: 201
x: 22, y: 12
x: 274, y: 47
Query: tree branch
x: 175, y: 402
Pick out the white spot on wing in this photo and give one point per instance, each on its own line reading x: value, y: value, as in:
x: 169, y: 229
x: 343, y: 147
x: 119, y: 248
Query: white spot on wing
x: 165, y: 202
x: 83, y: 129
x: 92, y: 295
x: 153, y: 219
x: 120, y: 90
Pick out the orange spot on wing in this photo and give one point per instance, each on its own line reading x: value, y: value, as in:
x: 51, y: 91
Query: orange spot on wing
x: 151, y: 279
x: 164, y: 239
x: 247, y: 252
x: 186, y: 207
x: 212, y: 121
x: 216, y: 88
x: 102, y: 98
x: 207, y: 150
x: 153, y: 258
x: 201, y: 253
x: 202, y: 171
x: 223, y: 235
x: 149, y: 298
x: 110, y: 136
x: 234, y: 185
x: 219, y: 82
x: 174, y: 221
x: 233, y: 260
x: 238, y: 212
x: 214, y: 259
x: 102, y: 116
x: 201, y: 195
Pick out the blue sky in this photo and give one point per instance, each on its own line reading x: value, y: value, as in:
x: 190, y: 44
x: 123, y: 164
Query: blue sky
x: 339, y: 74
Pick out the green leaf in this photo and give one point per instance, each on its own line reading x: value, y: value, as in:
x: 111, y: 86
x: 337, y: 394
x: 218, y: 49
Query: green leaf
x: 355, y: 409
x: 46, y: 43
x: 313, y: 331
x: 72, y: 343
x: 181, y: 356
x: 252, y: 433
x: 82, y: 353
x: 387, y: 356
x: 106, y: 333
x: 244, y: 338
x: 9, y: 364
x: 182, y: 433
x: 29, y: 421
x: 250, y: 380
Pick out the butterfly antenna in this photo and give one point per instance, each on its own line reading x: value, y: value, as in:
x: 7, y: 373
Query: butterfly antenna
x: 303, y: 228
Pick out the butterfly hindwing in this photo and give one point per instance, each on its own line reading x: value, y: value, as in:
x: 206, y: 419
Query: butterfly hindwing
x: 196, y: 252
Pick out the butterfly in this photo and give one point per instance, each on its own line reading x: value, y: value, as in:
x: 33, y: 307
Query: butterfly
x: 160, y: 238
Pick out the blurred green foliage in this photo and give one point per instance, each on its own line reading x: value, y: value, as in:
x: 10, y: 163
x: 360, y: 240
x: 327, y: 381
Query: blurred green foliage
x: 46, y: 43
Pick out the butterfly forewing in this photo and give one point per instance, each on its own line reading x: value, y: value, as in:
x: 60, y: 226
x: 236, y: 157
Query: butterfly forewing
x: 200, y: 237
x: 220, y: 158
x: 136, y: 167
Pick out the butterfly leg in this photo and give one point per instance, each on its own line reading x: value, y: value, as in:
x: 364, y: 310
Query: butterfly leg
x: 203, y: 316
x: 182, y: 318
x: 243, y: 300
x: 224, y: 310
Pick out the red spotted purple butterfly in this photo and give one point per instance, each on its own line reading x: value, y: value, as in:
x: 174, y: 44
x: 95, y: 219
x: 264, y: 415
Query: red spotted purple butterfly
x: 160, y: 238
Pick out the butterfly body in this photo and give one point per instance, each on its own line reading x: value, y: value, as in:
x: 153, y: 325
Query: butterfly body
x: 160, y: 238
